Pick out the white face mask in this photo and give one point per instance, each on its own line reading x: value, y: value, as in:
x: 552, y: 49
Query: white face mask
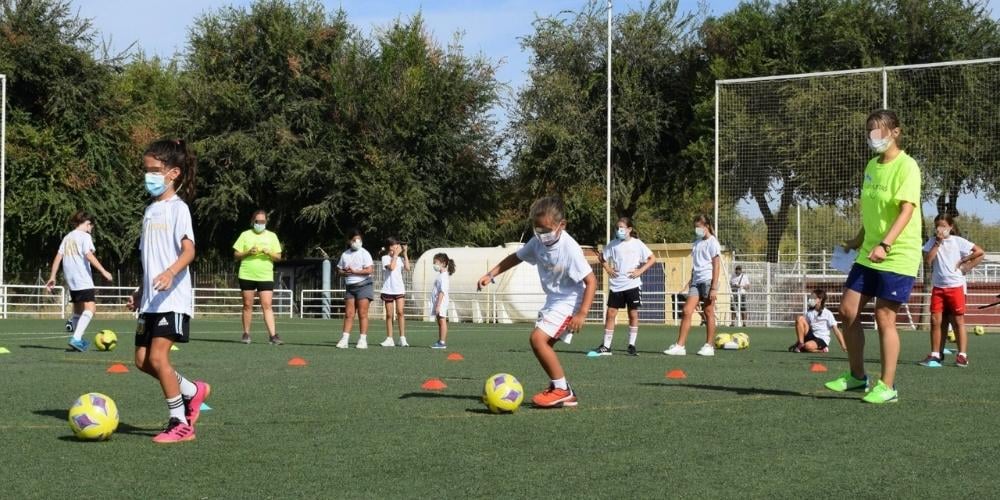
x: 811, y: 302
x: 437, y: 267
x: 879, y: 145
x: 356, y: 245
x: 943, y: 232
x: 548, y: 238
x: 699, y: 231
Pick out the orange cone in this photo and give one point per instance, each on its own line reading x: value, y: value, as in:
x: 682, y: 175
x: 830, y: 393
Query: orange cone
x: 817, y: 368
x: 433, y: 384
x: 676, y: 374
x: 297, y: 361
x: 455, y: 357
x: 117, y: 368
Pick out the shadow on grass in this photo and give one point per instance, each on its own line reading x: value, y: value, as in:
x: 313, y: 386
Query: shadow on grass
x: 46, y: 347
x: 438, y: 395
x: 750, y: 391
x: 263, y: 342
x: 123, y: 427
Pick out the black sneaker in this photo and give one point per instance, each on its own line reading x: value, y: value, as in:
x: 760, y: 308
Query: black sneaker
x: 275, y: 340
x: 69, y: 325
x: 245, y: 338
x: 631, y: 350
x: 796, y: 347
x: 603, y: 351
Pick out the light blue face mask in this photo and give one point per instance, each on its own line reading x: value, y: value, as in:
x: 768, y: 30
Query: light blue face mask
x: 258, y: 228
x: 699, y: 232
x: 621, y: 233
x: 156, y: 184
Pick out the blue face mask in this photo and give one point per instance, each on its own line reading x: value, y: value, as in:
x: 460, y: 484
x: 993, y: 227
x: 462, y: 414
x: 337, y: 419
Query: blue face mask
x: 621, y: 233
x: 156, y: 184
x: 258, y: 228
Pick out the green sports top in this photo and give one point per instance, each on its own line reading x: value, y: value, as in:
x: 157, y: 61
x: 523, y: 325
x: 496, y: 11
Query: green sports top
x: 257, y: 267
x: 885, y: 187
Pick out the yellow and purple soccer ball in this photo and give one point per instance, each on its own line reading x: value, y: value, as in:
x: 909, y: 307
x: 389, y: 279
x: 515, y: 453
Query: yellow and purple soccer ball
x: 93, y: 417
x: 106, y: 340
x: 502, y: 393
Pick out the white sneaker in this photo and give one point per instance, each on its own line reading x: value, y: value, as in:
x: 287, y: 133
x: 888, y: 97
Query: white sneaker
x: 676, y: 350
x: 388, y: 342
x: 343, y: 343
x: 402, y: 342
x: 706, y: 350
x: 362, y: 343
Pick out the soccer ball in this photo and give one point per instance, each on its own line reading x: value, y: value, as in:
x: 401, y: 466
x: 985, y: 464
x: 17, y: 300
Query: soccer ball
x: 502, y: 393
x: 951, y: 336
x: 979, y: 330
x: 93, y: 417
x: 742, y: 340
x: 722, y: 339
x: 105, y: 340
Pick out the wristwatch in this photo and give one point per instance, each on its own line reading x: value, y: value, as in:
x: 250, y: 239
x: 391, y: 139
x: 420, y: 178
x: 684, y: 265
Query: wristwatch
x: 885, y: 246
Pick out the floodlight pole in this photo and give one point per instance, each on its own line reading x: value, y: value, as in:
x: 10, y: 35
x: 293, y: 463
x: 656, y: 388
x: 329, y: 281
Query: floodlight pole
x: 607, y: 174
x: 3, y: 186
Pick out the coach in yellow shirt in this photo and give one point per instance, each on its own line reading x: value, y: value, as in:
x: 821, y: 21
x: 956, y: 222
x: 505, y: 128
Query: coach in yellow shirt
x: 257, y: 250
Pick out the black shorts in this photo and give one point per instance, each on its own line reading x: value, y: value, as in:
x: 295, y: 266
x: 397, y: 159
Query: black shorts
x: 631, y: 298
x: 260, y: 286
x: 171, y: 325
x: 81, y: 296
x: 820, y: 343
x: 389, y: 298
x: 738, y: 302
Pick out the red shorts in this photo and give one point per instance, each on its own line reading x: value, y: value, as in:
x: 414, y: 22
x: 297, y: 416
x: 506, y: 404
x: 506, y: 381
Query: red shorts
x: 948, y: 300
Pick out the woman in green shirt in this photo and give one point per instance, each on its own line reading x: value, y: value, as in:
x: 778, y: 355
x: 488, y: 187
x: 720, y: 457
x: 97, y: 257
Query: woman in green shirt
x: 889, y: 256
x: 257, y: 250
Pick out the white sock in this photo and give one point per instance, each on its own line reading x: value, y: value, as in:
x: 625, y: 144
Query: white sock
x: 633, y: 332
x: 936, y: 355
x: 345, y: 336
x: 176, y: 406
x: 81, y: 324
x: 402, y: 339
x: 608, y: 335
x: 364, y: 336
x: 560, y: 383
x: 188, y: 389
x: 962, y: 354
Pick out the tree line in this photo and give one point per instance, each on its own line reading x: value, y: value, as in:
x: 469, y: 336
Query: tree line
x: 294, y: 109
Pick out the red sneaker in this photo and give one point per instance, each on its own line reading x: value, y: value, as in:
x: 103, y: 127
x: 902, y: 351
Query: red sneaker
x: 962, y: 361
x: 554, y: 398
x: 194, y: 404
x: 176, y: 432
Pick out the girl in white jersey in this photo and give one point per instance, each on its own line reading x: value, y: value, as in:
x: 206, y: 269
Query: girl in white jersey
x: 624, y: 259
x: 164, y: 298
x: 812, y: 329
x: 356, y: 266
x: 951, y: 257
x: 444, y: 268
x: 76, y: 254
x: 703, y: 287
x: 569, y: 285
x: 394, y: 262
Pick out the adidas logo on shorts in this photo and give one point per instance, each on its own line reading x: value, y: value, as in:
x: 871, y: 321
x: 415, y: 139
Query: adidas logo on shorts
x: 163, y: 322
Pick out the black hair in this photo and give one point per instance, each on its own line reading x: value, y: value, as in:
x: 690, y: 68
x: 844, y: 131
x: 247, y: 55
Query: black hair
x: 253, y: 218
x: 628, y: 223
x: 174, y: 153
x: 443, y: 257
x: 950, y: 219
x: 821, y: 295
x: 79, y: 217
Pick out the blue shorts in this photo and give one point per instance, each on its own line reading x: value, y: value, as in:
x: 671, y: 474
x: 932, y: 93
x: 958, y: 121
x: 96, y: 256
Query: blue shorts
x: 885, y: 285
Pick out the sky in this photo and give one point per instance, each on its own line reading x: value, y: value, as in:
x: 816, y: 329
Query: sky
x: 489, y: 27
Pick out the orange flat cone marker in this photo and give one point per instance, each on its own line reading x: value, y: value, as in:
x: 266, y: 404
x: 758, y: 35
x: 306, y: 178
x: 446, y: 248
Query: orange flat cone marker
x: 297, y: 361
x: 117, y: 368
x: 678, y: 374
x: 817, y: 367
x: 433, y: 384
x: 455, y: 357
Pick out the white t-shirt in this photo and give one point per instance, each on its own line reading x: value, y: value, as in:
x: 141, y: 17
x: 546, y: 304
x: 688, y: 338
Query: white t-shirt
x: 76, y: 268
x: 625, y: 256
x: 164, y: 225
x: 702, y: 252
x: 441, y: 287
x: 356, y: 260
x: 946, y: 272
x: 393, y: 282
x: 561, y: 270
x: 739, y: 284
x: 820, y: 323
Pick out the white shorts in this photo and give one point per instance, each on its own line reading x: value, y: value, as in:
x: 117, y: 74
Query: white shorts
x: 553, y: 322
